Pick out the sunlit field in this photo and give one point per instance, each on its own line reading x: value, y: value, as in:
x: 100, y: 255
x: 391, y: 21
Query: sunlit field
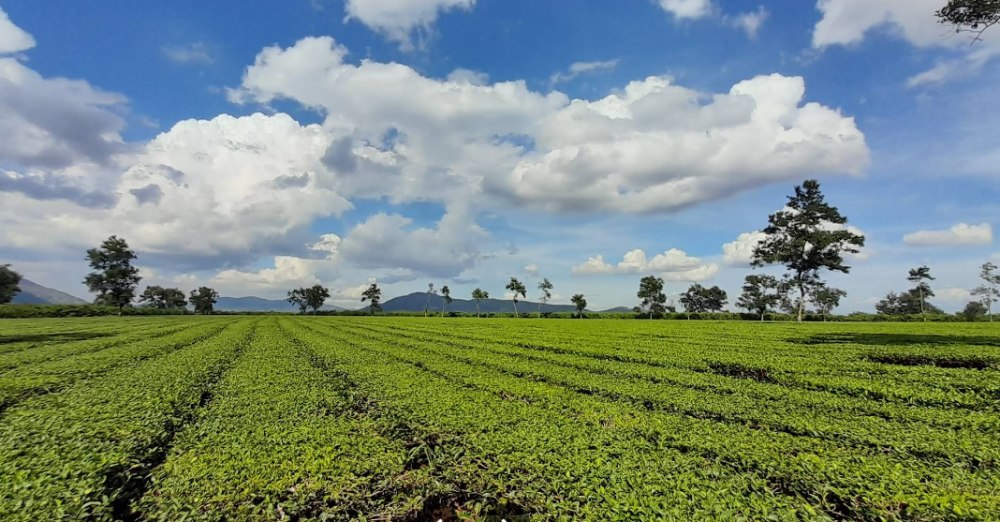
x: 325, y: 418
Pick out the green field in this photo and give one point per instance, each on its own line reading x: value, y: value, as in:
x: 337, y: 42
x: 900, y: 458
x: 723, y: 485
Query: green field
x: 324, y: 418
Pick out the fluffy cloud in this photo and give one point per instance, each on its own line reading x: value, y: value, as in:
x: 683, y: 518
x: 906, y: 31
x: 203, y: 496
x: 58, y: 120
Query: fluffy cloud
x: 846, y: 22
x: 659, y: 147
x: 740, y: 251
x: 397, y: 19
x: 54, y: 123
x: 960, y: 234
x: 13, y: 39
x: 387, y: 241
x: 687, y: 9
x: 672, y: 265
x: 952, y: 294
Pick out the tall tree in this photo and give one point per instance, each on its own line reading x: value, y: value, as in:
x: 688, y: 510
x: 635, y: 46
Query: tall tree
x: 920, y: 276
x: 826, y: 299
x: 203, y: 299
x: 809, y: 235
x: 760, y: 293
x: 9, y: 284
x: 989, y: 292
x: 298, y: 298
x: 651, y: 293
x: 974, y: 16
x: 446, y: 293
x: 114, y: 279
x: 580, y: 302
x: 374, y: 296
x: 163, y: 298
x: 700, y: 299
x: 316, y: 296
x: 479, y: 295
x: 546, y: 287
x: 430, y: 292
x: 517, y: 289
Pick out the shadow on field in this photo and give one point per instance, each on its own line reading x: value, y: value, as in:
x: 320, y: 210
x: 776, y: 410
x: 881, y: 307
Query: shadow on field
x: 885, y: 339
x: 62, y: 337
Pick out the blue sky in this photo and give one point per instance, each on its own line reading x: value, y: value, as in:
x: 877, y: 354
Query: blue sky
x: 255, y: 147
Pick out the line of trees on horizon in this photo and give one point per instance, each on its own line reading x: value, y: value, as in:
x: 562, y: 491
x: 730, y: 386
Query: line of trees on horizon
x: 807, y: 236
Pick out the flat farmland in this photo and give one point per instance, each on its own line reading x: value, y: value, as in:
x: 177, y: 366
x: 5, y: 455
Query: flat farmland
x: 390, y: 418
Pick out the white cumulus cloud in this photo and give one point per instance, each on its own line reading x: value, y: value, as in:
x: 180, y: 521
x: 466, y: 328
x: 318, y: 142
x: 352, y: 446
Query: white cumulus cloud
x: 398, y: 19
x: 847, y: 22
x: 960, y: 234
x: 13, y: 39
x: 672, y: 265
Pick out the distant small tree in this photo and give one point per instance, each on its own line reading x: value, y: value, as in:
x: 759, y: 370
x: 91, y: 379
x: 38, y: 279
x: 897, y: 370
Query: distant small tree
x: 580, y: 302
x: 973, y: 310
x: 163, y: 298
x: 517, y: 289
x: 826, y: 299
x: 546, y: 287
x: 989, y: 292
x: 760, y: 293
x: 374, y: 296
x: 298, y: 298
x: 479, y: 295
x: 446, y: 294
x: 904, y: 303
x: 806, y: 237
x: 316, y: 296
x: 114, y: 279
x: 920, y: 276
x: 203, y: 299
x: 9, y: 284
x: 651, y: 293
x: 430, y: 292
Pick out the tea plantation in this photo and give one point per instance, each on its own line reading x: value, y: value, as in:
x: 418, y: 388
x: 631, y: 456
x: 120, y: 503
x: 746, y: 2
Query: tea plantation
x: 386, y: 418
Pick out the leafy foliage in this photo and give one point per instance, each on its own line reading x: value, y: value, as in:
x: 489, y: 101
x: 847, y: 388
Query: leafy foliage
x: 580, y: 302
x: 809, y: 235
x: 114, y: 279
x: 651, y: 293
x: 478, y: 295
x: 9, y: 280
x: 374, y: 297
x: 975, y: 16
x: 989, y: 291
x: 700, y: 299
x: 516, y: 288
x: 760, y: 294
x: 203, y: 299
x: 163, y: 298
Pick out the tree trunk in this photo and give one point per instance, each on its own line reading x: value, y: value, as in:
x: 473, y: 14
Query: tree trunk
x: 802, y: 301
x: 922, y: 315
x: 477, y: 307
x: 762, y: 315
x: 539, y: 309
x: 515, y: 309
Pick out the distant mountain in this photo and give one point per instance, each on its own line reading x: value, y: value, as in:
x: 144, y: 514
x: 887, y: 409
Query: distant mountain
x: 416, y: 301
x: 259, y: 304
x: 34, y: 293
x: 617, y: 310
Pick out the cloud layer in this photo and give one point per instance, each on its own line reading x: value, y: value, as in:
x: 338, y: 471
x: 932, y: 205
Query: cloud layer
x: 960, y: 234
